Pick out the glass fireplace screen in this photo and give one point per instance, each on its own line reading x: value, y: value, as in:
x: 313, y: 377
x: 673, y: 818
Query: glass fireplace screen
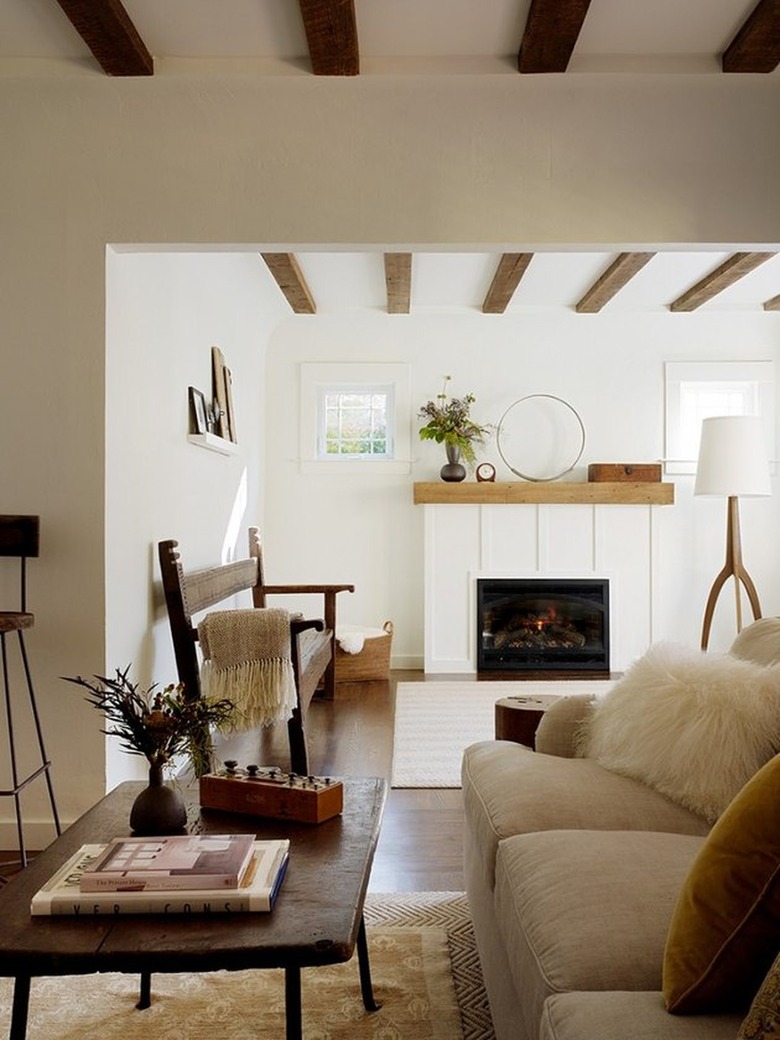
x: 543, y: 624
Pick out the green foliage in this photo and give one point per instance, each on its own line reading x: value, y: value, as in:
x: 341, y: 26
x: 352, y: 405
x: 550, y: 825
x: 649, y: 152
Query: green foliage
x: 449, y: 422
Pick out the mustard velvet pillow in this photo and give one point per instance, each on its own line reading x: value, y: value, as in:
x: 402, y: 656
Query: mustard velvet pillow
x: 725, y: 929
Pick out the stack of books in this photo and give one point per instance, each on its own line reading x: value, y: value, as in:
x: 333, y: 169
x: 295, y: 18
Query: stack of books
x: 180, y: 874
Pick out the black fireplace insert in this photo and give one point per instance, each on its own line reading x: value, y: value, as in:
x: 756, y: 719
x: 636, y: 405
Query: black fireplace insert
x: 543, y: 625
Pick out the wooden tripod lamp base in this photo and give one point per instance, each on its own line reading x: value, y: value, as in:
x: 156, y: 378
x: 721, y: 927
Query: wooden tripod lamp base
x: 732, y: 567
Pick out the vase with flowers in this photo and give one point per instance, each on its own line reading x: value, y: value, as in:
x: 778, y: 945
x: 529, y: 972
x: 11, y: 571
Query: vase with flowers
x: 158, y: 724
x: 449, y: 422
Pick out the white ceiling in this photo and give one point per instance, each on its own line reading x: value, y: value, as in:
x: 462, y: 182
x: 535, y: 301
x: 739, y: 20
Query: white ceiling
x: 687, y: 32
x: 346, y: 280
x: 437, y: 36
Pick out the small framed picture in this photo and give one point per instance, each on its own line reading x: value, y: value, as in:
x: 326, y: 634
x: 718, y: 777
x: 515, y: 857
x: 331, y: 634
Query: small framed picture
x: 198, y: 411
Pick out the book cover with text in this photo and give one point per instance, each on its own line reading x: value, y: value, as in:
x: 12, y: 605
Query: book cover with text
x: 257, y: 892
x: 182, y: 861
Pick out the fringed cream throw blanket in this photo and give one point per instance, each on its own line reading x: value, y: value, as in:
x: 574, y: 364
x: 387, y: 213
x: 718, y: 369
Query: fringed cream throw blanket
x: 247, y: 658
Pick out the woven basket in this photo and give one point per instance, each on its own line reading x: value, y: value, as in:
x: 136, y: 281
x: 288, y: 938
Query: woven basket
x: 373, y: 661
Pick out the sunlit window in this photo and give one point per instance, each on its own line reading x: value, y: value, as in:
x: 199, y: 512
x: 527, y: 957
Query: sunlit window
x: 355, y: 423
x: 698, y: 390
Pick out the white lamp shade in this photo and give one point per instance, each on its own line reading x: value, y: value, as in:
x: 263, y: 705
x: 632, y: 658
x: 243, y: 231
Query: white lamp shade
x: 732, y: 457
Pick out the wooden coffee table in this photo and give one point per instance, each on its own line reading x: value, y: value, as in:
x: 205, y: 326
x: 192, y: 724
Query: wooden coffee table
x: 318, y: 917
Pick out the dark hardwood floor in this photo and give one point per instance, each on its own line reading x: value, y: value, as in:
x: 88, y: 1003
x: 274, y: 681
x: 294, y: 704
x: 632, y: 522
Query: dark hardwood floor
x: 421, y: 845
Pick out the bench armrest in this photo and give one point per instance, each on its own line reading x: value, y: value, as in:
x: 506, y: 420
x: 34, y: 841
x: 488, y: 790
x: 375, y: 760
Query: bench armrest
x: 298, y: 625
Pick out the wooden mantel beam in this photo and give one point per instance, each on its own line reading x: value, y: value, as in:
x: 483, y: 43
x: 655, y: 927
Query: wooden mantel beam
x: 398, y: 279
x: 511, y: 268
x: 331, y: 33
x: 729, y: 272
x: 551, y: 32
x: 105, y: 27
x: 289, y: 277
x: 756, y: 46
x: 617, y: 275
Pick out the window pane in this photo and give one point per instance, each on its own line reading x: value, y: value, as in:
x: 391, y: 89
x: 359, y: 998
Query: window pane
x: 354, y: 423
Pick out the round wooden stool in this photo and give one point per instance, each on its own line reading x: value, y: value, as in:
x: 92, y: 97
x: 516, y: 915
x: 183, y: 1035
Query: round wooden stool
x: 517, y: 718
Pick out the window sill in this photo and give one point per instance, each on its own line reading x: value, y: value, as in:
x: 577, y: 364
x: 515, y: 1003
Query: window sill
x: 357, y: 467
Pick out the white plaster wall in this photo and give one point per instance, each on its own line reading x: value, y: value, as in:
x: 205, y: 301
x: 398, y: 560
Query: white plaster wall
x: 164, y: 313
x: 204, y: 156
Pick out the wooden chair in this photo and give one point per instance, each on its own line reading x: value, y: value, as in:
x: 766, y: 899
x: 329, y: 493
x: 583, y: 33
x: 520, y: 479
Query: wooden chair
x: 19, y: 537
x: 312, y: 640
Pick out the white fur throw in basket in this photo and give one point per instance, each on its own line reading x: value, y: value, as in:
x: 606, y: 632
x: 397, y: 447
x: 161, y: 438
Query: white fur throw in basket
x: 371, y: 661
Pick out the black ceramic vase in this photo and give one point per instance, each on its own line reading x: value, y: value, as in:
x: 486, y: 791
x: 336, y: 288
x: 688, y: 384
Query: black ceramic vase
x: 158, y: 809
x: 453, y: 471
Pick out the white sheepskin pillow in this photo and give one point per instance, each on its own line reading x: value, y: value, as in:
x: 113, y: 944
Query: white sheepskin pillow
x: 694, y: 726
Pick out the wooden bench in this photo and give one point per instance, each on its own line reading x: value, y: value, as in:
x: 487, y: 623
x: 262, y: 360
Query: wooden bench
x: 312, y: 641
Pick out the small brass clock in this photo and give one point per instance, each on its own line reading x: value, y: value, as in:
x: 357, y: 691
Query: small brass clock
x: 486, y: 471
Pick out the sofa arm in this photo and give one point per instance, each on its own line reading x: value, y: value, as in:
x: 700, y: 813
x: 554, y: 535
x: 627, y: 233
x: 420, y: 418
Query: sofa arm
x: 561, y: 724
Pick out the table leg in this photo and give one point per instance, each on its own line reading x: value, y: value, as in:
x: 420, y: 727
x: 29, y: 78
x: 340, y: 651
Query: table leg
x: 366, y: 987
x: 145, y: 995
x: 292, y: 1003
x: 20, y: 1008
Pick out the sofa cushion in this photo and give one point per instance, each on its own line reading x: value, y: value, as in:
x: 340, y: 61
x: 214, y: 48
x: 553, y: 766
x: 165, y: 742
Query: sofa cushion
x: 509, y: 789
x: 694, y: 726
x: 725, y: 930
x: 557, y: 731
x: 759, y: 642
x: 587, y: 910
x: 618, y: 1016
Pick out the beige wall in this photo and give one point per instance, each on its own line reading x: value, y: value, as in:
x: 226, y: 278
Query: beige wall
x: 87, y: 160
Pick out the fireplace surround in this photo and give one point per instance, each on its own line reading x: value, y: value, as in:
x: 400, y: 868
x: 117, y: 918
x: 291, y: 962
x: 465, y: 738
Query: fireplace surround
x: 543, y: 625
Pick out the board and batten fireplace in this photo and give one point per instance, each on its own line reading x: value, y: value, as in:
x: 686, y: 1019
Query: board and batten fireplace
x: 555, y: 530
x: 547, y: 626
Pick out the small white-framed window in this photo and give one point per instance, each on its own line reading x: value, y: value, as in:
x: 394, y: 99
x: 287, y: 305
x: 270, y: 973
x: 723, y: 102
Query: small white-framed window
x: 355, y: 422
x: 696, y: 390
x: 355, y: 417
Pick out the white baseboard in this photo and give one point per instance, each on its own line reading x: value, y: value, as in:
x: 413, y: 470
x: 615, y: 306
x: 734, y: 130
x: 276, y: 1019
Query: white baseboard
x: 37, y: 834
x: 415, y: 662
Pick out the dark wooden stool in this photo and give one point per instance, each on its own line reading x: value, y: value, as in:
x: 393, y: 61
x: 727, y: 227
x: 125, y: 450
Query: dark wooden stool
x: 517, y: 718
x: 19, y: 538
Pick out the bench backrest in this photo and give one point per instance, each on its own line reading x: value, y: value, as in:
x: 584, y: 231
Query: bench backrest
x: 188, y: 594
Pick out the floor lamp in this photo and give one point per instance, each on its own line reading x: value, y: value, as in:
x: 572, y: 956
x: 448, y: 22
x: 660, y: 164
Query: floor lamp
x: 732, y: 462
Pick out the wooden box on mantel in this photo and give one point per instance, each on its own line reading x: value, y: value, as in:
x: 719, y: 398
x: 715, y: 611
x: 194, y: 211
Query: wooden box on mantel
x: 617, y: 471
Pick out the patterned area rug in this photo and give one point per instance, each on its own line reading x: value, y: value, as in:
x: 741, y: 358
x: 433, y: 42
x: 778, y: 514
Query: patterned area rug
x: 448, y: 912
x: 423, y: 964
x: 435, y: 721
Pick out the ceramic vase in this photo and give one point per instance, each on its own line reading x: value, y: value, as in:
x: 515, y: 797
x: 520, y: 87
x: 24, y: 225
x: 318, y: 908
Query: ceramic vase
x: 453, y: 471
x: 158, y: 809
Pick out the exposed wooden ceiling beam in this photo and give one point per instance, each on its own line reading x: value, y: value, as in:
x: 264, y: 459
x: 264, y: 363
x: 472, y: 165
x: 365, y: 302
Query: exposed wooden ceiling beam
x: 618, y: 274
x: 398, y: 279
x: 551, y: 32
x: 331, y: 33
x: 289, y: 277
x: 511, y: 268
x: 736, y: 267
x: 773, y: 304
x: 756, y: 46
x: 105, y: 27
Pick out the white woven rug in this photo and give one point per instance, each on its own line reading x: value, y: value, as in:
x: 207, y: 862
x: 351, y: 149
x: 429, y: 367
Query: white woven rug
x: 436, y: 721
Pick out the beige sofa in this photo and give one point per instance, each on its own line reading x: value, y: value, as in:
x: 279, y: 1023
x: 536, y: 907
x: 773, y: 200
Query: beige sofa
x: 575, y: 867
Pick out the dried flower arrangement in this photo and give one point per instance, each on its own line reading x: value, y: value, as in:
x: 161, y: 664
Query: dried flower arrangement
x: 157, y: 723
